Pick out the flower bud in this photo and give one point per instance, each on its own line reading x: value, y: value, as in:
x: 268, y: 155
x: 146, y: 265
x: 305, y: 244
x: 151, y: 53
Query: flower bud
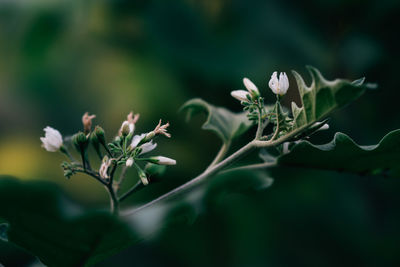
x: 103, y: 171
x: 143, y: 177
x: 52, y: 141
x: 240, y: 95
x: 163, y: 160
x: 150, y: 135
x: 99, y: 132
x: 129, y: 162
x: 126, y: 128
x: 80, y: 141
x: 251, y: 87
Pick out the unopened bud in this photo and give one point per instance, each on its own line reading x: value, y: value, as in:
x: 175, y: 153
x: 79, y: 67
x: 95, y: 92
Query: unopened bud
x: 99, y: 132
x: 129, y: 162
x: 162, y: 160
x: 150, y: 136
x: 125, y: 128
x: 80, y: 141
x: 143, y: 177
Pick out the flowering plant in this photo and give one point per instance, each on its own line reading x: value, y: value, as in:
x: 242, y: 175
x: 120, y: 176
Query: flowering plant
x: 280, y: 138
x: 126, y: 150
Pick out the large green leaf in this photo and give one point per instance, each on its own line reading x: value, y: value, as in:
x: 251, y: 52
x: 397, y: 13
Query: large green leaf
x: 343, y: 154
x: 56, y: 230
x: 322, y: 97
x: 226, y: 124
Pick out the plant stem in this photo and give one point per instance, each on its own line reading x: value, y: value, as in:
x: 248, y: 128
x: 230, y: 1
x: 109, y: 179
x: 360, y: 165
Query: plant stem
x: 92, y: 174
x: 251, y: 167
x: 107, y: 150
x: 202, y: 177
x: 65, y: 151
x: 114, y: 203
x: 260, y: 127
x: 221, y: 154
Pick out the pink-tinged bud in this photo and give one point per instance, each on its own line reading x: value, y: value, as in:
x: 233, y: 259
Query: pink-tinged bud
x: 103, y: 171
x: 87, y: 122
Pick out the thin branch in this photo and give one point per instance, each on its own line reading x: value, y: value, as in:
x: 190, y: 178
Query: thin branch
x: 201, y: 178
x: 221, y: 154
x: 92, y: 174
x: 251, y: 167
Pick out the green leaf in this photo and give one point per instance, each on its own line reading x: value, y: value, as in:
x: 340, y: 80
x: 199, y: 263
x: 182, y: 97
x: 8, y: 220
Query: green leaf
x: 343, y: 154
x: 226, y: 124
x: 56, y: 230
x: 322, y: 97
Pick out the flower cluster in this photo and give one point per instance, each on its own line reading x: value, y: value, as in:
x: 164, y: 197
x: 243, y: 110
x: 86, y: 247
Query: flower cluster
x: 256, y: 110
x: 126, y: 150
x: 254, y: 104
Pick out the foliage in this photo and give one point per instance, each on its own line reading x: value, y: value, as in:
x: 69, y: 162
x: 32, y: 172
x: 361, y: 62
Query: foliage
x: 49, y: 225
x: 344, y: 155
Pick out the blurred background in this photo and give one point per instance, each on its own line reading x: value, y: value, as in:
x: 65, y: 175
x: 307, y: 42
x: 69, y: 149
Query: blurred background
x: 59, y: 59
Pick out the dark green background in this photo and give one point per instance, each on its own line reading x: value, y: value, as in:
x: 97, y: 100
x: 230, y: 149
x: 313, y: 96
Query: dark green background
x: 59, y: 59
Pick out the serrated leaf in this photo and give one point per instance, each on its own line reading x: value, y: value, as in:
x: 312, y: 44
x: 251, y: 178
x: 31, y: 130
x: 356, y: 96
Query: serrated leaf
x: 54, y: 229
x: 343, y: 154
x: 226, y: 124
x: 322, y: 97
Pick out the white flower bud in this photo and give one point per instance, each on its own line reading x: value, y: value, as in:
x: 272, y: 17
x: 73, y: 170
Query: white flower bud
x: 126, y: 128
x: 148, y: 147
x: 129, y: 162
x: 240, y: 95
x: 251, y: 87
x: 279, y: 87
x: 52, y: 141
x: 164, y: 160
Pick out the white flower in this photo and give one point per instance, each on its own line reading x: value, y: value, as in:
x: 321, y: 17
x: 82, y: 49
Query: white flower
x: 129, y: 162
x: 164, y: 160
x: 136, y: 140
x: 148, y: 147
x: 103, y: 171
x: 52, y: 141
x: 251, y: 87
x: 279, y: 87
x: 240, y: 95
